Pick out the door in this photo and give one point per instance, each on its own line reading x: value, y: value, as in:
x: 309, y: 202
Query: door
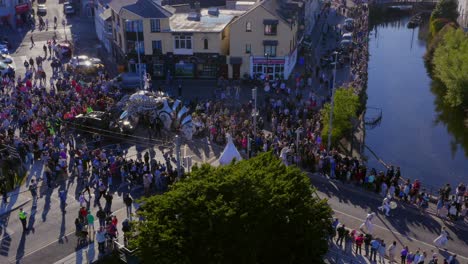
x: 236, y: 71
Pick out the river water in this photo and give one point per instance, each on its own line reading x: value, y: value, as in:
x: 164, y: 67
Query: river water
x: 417, y: 132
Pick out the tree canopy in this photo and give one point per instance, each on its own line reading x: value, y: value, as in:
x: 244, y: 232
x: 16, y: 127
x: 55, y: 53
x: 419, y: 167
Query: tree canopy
x: 451, y: 66
x: 252, y: 211
x: 345, y: 109
x: 445, y: 9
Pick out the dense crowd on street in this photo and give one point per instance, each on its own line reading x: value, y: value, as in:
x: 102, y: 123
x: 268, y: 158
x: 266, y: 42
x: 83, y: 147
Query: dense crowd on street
x: 34, y: 118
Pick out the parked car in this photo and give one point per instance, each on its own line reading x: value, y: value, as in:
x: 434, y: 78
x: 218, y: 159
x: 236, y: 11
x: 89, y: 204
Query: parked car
x: 76, y: 60
x: 65, y: 48
x: 6, y: 69
x: 41, y: 10
x: 68, y: 9
x: 6, y: 58
x: 127, y: 81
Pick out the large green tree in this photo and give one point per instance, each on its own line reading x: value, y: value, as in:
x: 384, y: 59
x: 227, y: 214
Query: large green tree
x: 252, y: 211
x: 450, y: 65
x: 446, y: 9
x: 344, y: 111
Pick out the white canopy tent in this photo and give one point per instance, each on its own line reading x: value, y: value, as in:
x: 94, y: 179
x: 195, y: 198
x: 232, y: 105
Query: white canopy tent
x: 230, y: 152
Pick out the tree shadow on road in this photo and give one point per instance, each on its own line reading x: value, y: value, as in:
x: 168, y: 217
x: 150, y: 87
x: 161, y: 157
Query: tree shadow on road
x: 6, y: 239
x: 21, y: 247
x: 402, y: 220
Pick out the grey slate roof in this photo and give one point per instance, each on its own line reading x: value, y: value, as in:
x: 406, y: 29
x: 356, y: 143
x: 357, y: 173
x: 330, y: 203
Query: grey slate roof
x: 143, y: 8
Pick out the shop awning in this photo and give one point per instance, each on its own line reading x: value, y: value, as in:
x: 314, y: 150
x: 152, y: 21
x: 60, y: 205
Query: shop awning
x: 106, y: 14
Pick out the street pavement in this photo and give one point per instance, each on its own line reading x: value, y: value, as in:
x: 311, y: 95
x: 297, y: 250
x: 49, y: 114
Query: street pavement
x: 407, y: 225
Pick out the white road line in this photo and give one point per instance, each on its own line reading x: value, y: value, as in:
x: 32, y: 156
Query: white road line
x: 396, y: 232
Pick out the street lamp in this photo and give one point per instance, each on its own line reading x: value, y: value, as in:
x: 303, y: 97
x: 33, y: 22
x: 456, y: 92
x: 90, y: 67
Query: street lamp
x: 64, y: 23
x: 254, y: 115
x: 138, y: 51
x: 299, y: 131
x: 332, y: 104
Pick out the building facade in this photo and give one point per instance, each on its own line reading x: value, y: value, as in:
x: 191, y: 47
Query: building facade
x: 463, y: 14
x: 103, y: 23
x: 14, y: 13
x: 204, y: 43
x: 263, y: 43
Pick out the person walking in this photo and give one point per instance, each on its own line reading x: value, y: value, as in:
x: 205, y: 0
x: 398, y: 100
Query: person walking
x: 382, y: 249
x: 101, y: 215
x: 441, y: 240
x: 368, y: 223
x: 422, y: 257
x: 108, y: 207
x: 45, y: 50
x: 392, y: 252
x: 348, y: 243
x: 375, y: 245
x: 63, y: 200
x: 22, y: 217
x: 101, y: 239
x: 359, y: 240
x: 367, y: 241
x: 33, y: 189
x: 31, y: 62
x: 341, y: 233
x: 403, y: 254
x: 90, y: 220
x: 32, y: 41
x: 128, y: 203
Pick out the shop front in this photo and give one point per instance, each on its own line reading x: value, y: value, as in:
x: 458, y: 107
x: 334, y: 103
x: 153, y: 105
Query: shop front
x: 23, y: 13
x: 196, y: 66
x: 268, y: 68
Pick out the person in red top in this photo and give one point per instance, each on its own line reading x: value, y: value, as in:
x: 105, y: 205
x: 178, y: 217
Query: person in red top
x: 359, y: 240
x: 83, y: 213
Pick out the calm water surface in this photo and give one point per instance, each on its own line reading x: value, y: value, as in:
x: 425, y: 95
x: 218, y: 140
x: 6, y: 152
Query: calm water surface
x: 417, y: 132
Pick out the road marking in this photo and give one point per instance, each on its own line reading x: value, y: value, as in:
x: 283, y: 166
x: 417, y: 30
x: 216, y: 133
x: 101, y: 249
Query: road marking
x: 396, y: 232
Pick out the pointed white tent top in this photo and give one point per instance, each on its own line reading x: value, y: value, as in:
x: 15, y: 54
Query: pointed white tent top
x: 230, y: 152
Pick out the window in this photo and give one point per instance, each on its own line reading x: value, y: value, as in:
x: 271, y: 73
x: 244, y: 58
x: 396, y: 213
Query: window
x: 248, y: 48
x: 205, y: 44
x: 157, y: 46
x: 133, y: 46
x: 134, y: 26
x: 270, y: 29
x: 270, y: 50
x: 248, y: 27
x: 155, y: 25
x: 183, y: 42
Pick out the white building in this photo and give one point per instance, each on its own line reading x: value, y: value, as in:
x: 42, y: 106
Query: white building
x: 103, y: 24
x: 463, y: 11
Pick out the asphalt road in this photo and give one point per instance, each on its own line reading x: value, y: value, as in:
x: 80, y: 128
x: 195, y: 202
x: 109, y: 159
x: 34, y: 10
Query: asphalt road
x: 406, y: 224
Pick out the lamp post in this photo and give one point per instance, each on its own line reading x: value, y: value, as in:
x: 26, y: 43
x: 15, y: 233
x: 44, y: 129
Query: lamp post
x: 299, y: 131
x: 332, y: 104
x: 64, y: 23
x: 138, y: 51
